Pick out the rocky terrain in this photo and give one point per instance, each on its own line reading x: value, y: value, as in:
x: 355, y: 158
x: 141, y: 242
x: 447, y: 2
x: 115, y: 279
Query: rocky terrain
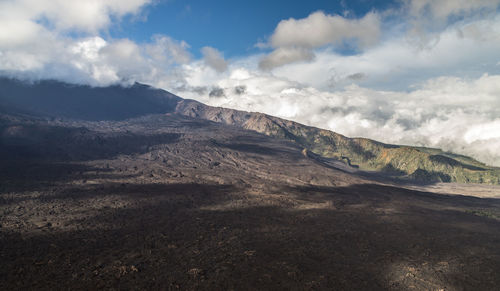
x: 171, y: 200
x: 417, y: 164
x: 406, y: 163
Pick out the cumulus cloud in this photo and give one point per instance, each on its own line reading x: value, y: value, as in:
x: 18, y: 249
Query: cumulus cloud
x: 295, y: 39
x: 285, y: 55
x: 95, y: 61
x: 38, y: 40
x: 83, y: 15
x: 396, y: 64
x: 426, y: 18
x: 167, y: 50
x: 319, y: 29
x: 214, y: 59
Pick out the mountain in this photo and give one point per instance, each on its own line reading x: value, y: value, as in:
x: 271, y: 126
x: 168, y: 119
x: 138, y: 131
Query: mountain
x: 115, y: 194
x: 62, y: 100
x: 427, y: 165
x: 406, y: 162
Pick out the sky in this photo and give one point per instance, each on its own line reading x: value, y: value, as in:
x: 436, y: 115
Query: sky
x: 234, y: 27
x: 415, y: 72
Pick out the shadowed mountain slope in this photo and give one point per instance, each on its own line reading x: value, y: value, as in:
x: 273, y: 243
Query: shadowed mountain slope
x: 55, y: 99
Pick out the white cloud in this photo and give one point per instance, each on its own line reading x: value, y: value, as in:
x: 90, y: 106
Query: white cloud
x: 426, y: 17
x: 83, y: 15
x: 319, y: 29
x: 214, y: 59
x: 397, y: 64
x: 95, y: 61
x: 482, y: 132
x: 166, y: 50
x: 285, y: 55
x: 36, y: 42
x: 444, y: 8
x: 294, y: 39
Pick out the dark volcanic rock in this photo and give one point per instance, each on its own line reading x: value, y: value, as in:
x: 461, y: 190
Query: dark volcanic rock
x: 56, y: 99
x: 175, y: 202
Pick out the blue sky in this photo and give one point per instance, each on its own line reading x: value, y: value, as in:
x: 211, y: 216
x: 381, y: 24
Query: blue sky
x: 418, y: 72
x: 234, y: 27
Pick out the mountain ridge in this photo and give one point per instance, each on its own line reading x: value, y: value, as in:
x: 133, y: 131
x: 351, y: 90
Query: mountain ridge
x: 56, y: 99
x: 414, y: 163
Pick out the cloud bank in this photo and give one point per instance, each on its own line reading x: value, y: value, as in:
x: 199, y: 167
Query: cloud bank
x: 455, y: 114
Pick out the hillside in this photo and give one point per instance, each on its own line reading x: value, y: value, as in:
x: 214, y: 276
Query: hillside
x: 171, y: 201
x: 58, y: 100
x: 406, y: 162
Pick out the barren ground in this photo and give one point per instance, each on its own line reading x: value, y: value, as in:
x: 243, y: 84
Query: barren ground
x: 168, y: 202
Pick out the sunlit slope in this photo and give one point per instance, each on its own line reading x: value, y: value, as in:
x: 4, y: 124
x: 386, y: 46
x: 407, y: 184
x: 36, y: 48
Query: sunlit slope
x: 414, y: 163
